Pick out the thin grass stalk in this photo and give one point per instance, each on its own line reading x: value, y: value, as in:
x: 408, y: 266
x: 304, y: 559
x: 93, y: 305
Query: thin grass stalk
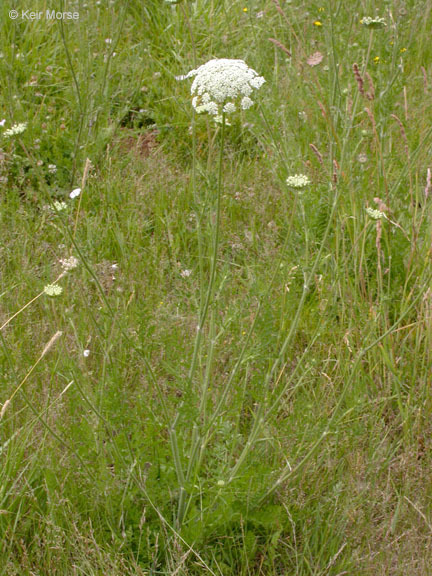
x: 209, y: 363
x: 180, y: 476
x: 79, y: 99
x: 344, y: 391
x: 260, y: 413
x: 39, y: 417
x: 103, y: 296
x: 200, y: 444
x: 259, y: 418
x: 138, y: 481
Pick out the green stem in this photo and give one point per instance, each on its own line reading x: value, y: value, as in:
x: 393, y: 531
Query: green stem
x: 210, y: 290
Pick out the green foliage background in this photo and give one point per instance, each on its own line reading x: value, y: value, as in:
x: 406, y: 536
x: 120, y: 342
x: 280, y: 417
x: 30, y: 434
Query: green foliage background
x: 89, y: 483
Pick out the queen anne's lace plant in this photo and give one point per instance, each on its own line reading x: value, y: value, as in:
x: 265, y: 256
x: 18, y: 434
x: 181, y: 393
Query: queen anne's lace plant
x: 223, y: 85
x: 53, y: 290
x: 59, y: 206
x: 375, y: 214
x: 69, y: 264
x: 376, y: 22
x: 298, y: 181
x: 15, y: 129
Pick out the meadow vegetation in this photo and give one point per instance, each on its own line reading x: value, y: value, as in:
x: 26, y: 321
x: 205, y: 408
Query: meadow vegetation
x: 234, y: 377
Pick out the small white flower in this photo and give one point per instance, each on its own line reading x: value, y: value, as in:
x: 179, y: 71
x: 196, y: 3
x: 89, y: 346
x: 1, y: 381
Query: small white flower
x: 75, y: 193
x: 257, y: 82
x: 185, y: 273
x: 59, y: 206
x: 108, y: 40
x: 53, y: 290
x: 52, y: 168
x: 16, y: 129
x: 302, y: 116
x: 211, y: 108
x: 3, y: 122
x: 229, y: 108
x: 376, y: 22
x: 86, y: 353
x: 246, y: 103
x: 218, y: 120
x: 375, y: 214
x: 69, y: 263
x: 298, y: 181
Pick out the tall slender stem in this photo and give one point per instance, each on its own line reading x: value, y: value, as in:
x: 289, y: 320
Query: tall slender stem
x: 216, y: 236
x: 183, y: 501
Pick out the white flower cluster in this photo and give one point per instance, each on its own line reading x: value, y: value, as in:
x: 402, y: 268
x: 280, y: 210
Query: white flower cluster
x: 53, y: 290
x: 69, y: 263
x: 59, y: 206
x: 16, y: 129
x: 222, y: 84
x: 298, y: 181
x: 376, y: 22
x: 375, y: 214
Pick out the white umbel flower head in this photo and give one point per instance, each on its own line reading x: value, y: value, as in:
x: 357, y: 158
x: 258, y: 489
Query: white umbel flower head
x: 59, y: 206
x: 69, y: 264
x: 221, y: 83
x: 53, y: 290
x: 376, y: 22
x: 298, y: 181
x: 15, y: 129
x: 375, y: 214
x: 229, y: 108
